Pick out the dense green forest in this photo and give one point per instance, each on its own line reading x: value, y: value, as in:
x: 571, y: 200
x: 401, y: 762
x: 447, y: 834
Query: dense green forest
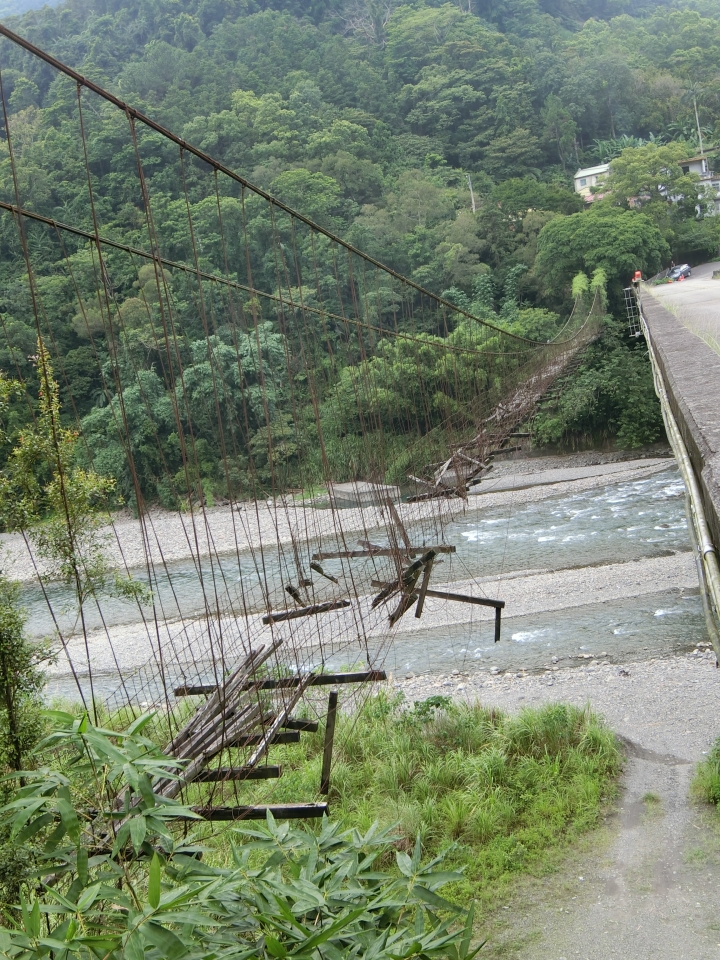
x: 440, y: 138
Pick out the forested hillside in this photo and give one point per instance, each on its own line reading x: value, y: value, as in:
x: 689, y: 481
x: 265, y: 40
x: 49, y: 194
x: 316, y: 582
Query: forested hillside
x: 377, y: 120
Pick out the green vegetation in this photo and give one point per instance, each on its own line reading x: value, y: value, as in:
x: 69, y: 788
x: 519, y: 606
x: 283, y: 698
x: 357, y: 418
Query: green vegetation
x: 610, y: 395
x: 495, y: 793
x: 21, y: 683
x: 485, y: 796
x: 56, y: 503
x: 21, y: 726
x: 706, y: 785
x: 369, y: 118
x: 120, y: 881
x: 504, y: 790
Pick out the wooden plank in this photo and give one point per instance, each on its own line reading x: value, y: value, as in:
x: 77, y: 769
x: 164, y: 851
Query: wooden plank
x: 304, y: 726
x: 443, y: 595
x: 399, y: 524
x: 271, y: 732
x: 406, y: 601
x: 466, y: 598
x: 323, y: 680
x: 383, y: 552
x: 311, y: 611
x: 424, y: 588
x: 406, y: 582
x: 288, y: 683
x: 195, y: 689
x: 284, y: 811
x: 255, y: 739
x: 329, y: 739
x: 220, y: 774
x: 498, y: 614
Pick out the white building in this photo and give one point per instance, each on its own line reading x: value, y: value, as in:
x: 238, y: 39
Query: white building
x: 590, y: 177
x: 701, y: 167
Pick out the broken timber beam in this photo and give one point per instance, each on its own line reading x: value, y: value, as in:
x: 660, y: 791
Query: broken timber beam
x: 383, y: 552
x: 466, y: 598
x: 328, y: 745
x: 255, y: 739
x: 304, y: 726
x: 499, y: 605
x: 424, y: 588
x: 285, y: 811
x: 287, y: 683
x: 220, y: 774
x: 398, y: 523
x: 305, y: 611
x: 270, y: 735
x: 482, y: 601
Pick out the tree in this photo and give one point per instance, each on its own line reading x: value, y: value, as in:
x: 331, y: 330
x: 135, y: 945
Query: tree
x: 512, y: 155
x: 618, y: 241
x: 56, y: 503
x: 313, y: 194
x: 21, y: 725
x: 21, y: 682
x: 653, y: 176
x: 24, y: 95
x: 559, y: 126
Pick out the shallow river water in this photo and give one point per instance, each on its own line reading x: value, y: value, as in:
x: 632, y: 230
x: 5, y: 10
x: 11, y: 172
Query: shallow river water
x: 607, y: 524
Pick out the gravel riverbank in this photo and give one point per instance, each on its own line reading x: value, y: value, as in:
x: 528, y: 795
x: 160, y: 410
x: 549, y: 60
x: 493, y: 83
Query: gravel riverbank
x: 166, y: 537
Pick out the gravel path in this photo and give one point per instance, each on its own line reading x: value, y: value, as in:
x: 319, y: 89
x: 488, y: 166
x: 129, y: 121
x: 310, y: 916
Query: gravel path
x: 647, y: 889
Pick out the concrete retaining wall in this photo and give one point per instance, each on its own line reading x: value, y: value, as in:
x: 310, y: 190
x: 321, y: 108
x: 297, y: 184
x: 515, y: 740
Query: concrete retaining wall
x: 691, y: 372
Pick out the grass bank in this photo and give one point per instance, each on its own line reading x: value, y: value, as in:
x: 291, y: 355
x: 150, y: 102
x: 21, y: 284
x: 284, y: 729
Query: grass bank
x: 507, y: 793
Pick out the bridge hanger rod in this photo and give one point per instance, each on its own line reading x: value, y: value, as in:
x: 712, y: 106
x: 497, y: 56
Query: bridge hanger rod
x: 235, y: 285
x: 221, y: 168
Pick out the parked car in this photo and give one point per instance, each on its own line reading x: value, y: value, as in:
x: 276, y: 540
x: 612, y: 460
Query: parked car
x: 681, y: 272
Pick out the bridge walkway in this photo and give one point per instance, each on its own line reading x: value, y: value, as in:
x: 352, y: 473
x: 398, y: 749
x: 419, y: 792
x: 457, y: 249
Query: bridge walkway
x: 676, y: 316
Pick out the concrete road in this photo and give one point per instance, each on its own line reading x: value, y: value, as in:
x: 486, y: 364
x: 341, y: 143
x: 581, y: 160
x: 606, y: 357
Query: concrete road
x: 695, y: 301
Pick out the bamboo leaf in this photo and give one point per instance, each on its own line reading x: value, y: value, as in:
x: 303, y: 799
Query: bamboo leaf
x: 138, y: 831
x: 170, y: 946
x: 133, y: 946
x: 154, y: 882
x: 274, y: 947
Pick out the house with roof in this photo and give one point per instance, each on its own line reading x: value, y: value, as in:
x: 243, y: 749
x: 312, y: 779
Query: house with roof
x: 588, y: 178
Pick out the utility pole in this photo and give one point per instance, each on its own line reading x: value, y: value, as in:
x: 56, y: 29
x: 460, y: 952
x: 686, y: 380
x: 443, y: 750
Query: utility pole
x: 472, y: 195
x: 697, y: 121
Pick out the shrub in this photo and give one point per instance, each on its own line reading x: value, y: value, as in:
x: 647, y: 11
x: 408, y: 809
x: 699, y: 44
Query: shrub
x: 706, y: 785
x: 125, y: 885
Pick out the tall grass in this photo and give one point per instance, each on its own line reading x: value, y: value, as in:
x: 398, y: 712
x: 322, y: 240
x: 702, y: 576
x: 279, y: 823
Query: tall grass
x: 706, y: 783
x: 506, y: 791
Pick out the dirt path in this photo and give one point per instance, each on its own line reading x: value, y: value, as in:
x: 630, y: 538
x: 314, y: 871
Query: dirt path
x: 649, y: 895
x: 645, y: 889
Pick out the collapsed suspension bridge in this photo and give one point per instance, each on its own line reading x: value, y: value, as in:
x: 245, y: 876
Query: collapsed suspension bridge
x: 254, y: 356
